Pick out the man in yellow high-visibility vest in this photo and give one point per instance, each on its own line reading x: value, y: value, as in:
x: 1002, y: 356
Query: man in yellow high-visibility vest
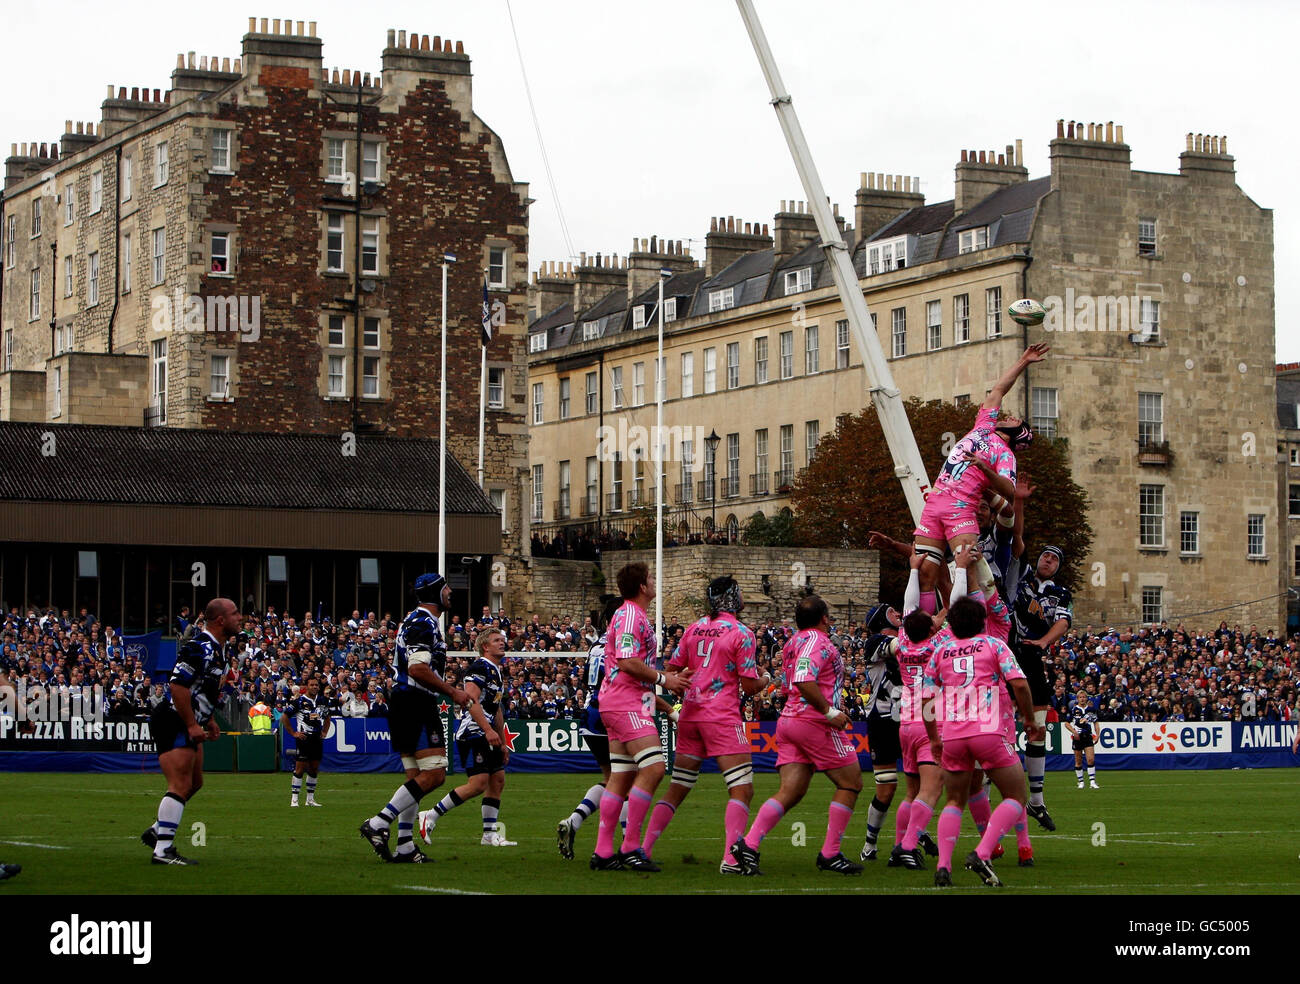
x: 259, y: 719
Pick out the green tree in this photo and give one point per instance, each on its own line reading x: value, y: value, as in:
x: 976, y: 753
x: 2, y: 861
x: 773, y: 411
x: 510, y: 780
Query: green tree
x: 849, y: 489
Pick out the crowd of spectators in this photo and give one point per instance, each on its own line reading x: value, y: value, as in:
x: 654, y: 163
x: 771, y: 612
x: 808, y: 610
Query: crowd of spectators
x: 1146, y: 674
x: 586, y: 546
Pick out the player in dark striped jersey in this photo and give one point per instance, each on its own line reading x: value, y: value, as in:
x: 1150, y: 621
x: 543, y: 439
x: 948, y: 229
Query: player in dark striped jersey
x: 1041, y: 616
x: 181, y: 724
x: 480, y: 738
x: 1082, y: 725
x: 414, y: 718
x: 306, y: 717
x: 882, y: 719
x: 593, y: 733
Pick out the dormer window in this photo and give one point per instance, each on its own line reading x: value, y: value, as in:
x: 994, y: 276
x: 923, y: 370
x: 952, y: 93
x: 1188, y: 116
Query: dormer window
x: 590, y: 330
x: 638, y: 316
x: 973, y: 239
x: 888, y: 255
x: 537, y: 342
x: 798, y: 281
x: 722, y: 300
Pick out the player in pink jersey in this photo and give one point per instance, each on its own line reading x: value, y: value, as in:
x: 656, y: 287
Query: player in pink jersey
x: 720, y: 651
x: 918, y: 638
x: 998, y: 625
x: 808, y: 739
x: 967, y: 677
x: 627, y: 705
x: 982, y: 459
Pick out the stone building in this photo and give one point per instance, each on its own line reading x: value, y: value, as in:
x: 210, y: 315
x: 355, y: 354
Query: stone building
x: 257, y: 248
x: 1288, y: 487
x: 1159, y: 289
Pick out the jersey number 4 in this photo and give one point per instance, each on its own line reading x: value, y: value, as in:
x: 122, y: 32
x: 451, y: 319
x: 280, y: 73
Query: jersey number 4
x: 704, y: 651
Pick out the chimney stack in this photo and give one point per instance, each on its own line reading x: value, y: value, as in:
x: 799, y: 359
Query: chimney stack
x: 1083, y: 147
x: 552, y: 287
x: 595, y: 277
x: 979, y: 175
x: 648, y: 257
x: 876, y: 204
x: 793, y: 227
x: 1207, y: 159
x: 724, y: 245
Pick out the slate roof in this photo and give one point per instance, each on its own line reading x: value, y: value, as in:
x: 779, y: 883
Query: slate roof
x: 176, y: 467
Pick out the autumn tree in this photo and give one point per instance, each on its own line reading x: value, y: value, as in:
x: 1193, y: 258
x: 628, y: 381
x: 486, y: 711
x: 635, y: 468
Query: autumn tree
x: 850, y: 489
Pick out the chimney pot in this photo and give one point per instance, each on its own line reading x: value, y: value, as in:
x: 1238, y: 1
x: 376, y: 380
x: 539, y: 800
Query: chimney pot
x: 1019, y: 152
x: 275, y: 26
x: 765, y: 232
x: 237, y: 67
x: 437, y: 42
x: 401, y: 39
x: 963, y: 156
x: 311, y: 29
x: 424, y: 43
x: 90, y: 129
x: 446, y: 46
x: 121, y: 92
x: 81, y: 128
x: 45, y: 151
x: 301, y: 33
x: 1002, y: 159
x: 862, y: 179
x: 264, y: 25
x: 1110, y: 131
x: 1060, y: 129
x: 1223, y: 146
x: 713, y: 222
x: 135, y: 93
x: 460, y: 47
x: 252, y: 25
x: 392, y: 36
x: 189, y: 58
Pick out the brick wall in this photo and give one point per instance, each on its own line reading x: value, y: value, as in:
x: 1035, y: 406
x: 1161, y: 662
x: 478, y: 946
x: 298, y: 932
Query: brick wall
x: 569, y: 588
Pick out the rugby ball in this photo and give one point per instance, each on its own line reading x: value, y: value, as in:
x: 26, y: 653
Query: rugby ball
x: 1027, y: 311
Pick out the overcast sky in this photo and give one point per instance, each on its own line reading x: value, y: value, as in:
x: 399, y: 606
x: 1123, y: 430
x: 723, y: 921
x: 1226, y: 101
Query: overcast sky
x: 656, y: 116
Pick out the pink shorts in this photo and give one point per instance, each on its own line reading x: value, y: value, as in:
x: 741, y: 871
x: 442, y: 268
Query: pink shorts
x: 627, y: 726
x: 944, y: 518
x: 985, y: 751
x: 709, y: 739
x: 916, y: 748
x: 813, y: 743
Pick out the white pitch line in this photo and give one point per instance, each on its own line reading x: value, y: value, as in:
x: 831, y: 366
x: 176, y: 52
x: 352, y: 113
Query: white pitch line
x: 1053, y: 889
x: 441, y: 891
x: 46, y: 847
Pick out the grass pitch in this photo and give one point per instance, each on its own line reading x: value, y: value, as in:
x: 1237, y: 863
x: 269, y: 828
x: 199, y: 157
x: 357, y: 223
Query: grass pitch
x: 1158, y: 834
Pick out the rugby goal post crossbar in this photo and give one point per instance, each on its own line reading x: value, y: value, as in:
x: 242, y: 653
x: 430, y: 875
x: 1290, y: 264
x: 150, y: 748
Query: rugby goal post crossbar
x: 885, y: 396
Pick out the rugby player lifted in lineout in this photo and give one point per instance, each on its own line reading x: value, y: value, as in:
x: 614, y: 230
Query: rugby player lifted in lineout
x: 984, y: 458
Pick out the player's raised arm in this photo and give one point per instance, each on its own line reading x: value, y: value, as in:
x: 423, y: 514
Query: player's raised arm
x: 1035, y: 353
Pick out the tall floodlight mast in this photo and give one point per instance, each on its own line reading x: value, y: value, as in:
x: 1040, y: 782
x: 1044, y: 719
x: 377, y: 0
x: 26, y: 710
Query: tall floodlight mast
x: 908, y: 466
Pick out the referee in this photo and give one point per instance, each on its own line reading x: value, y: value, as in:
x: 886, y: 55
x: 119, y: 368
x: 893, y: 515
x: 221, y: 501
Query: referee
x: 1041, y: 616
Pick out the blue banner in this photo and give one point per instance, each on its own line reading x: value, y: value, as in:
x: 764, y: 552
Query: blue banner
x: 363, y: 745
x: 149, y: 649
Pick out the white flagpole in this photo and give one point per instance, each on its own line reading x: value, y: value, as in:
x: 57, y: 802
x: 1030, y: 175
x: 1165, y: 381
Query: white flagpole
x: 482, y: 411
x: 442, y: 440
x: 659, y: 469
